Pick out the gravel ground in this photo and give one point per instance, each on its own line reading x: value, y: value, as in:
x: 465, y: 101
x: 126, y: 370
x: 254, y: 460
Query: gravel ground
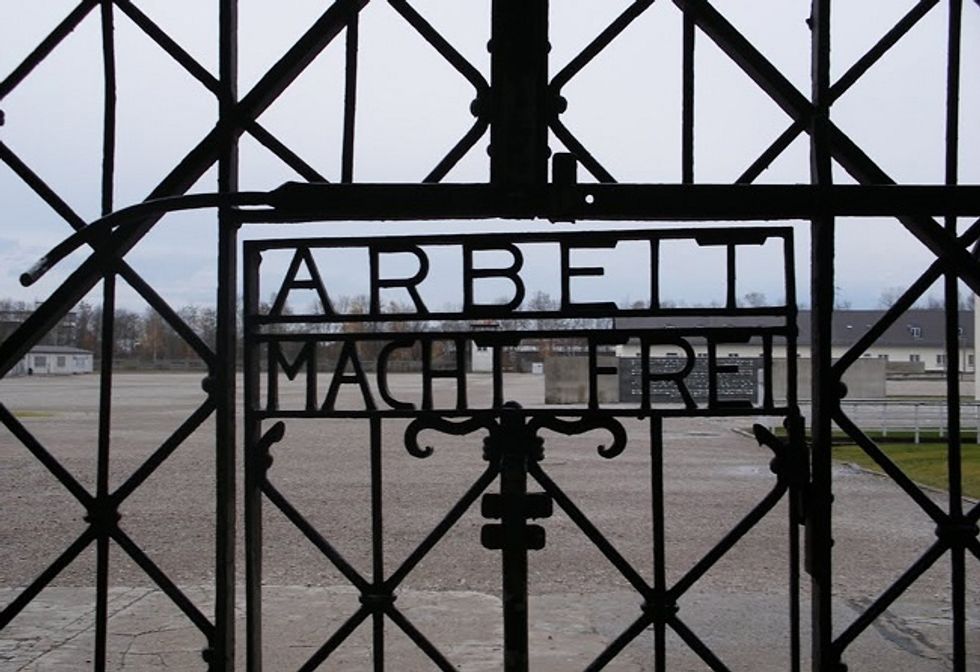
x: 713, y: 477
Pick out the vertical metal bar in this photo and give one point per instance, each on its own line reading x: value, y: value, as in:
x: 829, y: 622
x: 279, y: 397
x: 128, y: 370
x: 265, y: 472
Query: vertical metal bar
x: 102, y: 478
x: 824, y: 392
x: 792, y: 312
x: 254, y: 469
x: 377, y: 542
x: 514, y: 442
x: 350, y: 100
x: 223, y: 377
x: 687, y: 103
x: 731, y: 300
x: 955, y: 455
x: 659, y: 541
x: 99, y: 520
x: 519, y: 93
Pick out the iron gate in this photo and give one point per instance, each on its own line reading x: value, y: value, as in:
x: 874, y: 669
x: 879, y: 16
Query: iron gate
x: 519, y: 105
x: 319, y: 348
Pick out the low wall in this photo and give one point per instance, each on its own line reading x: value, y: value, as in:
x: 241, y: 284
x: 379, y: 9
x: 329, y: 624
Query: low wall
x: 566, y: 381
x: 865, y: 379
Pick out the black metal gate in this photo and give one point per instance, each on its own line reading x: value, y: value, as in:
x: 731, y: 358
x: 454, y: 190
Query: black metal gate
x: 519, y: 106
x: 319, y: 349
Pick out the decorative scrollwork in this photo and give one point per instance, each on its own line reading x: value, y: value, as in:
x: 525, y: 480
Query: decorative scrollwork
x: 587, y: 424
x: 438, y: 424
x: 264, y: 444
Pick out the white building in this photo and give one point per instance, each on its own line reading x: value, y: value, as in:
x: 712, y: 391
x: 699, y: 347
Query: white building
x: 45, y: 360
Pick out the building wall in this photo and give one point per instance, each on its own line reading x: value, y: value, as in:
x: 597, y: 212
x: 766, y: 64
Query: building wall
x: 58, y: 363
x: 566, y: 381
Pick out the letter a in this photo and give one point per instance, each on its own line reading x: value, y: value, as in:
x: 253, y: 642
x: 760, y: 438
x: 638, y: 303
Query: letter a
x: 290, y: 282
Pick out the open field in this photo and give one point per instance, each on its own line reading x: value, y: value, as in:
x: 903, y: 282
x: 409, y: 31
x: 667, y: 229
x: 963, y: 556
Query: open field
x: 580, y: 602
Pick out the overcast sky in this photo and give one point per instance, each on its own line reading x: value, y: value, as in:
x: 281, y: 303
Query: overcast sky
x: 412, y: 107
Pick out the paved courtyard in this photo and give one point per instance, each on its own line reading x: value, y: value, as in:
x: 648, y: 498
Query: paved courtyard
x: 579, y: 602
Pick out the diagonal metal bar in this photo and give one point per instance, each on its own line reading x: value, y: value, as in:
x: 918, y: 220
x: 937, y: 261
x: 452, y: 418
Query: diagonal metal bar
x: 210, y: 82
x: 317, y: 539
x: 335, y: 640
x: 858, y: 164
x: 926, y: 229
x: 166, y: 449
x: 164, y: 309
x: 904, y: 302
x: 873, y: 55
x: 616, y: 646
x: 590, y: 530
x: 164, y: 583
x: 40, y: 187
x: 581, y: 153
x: 757, y: 513
x: 747, y: 57
x: 885, y: 600
x: 890, y: 468
x: 441, y: 45
x: 55, y: 202
x: 197, y: 162
x: 465, y: 144
x: 419, y: 639
x: 440, y: 530
x: 44, y: 457
x: 601, y: 41
x: 46, y: 46
x: 47, y: 576
x: 771, y: 153
x: 696, y: 645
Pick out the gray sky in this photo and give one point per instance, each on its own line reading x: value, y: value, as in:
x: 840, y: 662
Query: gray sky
x: 625, y: 107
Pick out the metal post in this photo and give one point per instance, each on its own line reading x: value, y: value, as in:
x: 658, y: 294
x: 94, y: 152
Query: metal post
x: 825, y: 393
x: 519, y: 93
x: 221, y: 655
x: 513, y: 490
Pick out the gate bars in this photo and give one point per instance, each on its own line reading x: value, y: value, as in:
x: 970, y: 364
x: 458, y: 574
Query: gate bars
x: 514, y: 108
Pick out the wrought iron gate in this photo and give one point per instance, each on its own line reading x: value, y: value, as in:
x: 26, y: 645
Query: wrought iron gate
x: 519, y: 106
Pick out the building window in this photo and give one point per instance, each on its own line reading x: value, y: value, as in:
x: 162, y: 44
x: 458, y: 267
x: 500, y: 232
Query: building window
x: 40, y: 360
x: 969, y: 359
x: 60, y: 362
x: 916, y: 332
x: 884, y: 357
x: 672, y: 354
x: 913, y: 358
x: 941, y: 360
x: 733, y: 354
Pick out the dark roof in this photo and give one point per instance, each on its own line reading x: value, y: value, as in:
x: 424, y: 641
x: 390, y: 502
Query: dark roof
x: 58, y: 350
x: 917, y: 327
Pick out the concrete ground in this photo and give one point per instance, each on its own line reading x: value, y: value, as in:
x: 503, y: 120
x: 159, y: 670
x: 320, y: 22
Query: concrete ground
x: 579, y: 602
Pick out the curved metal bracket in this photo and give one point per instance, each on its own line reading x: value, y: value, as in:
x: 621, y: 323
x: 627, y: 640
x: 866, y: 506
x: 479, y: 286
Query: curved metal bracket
x: 583, y: 425
x: 439, y: 424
